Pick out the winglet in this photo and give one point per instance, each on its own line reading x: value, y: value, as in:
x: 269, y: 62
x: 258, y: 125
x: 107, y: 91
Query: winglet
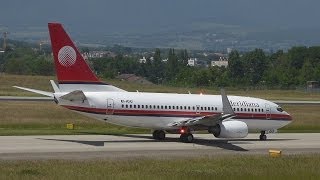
x: 227, y: 108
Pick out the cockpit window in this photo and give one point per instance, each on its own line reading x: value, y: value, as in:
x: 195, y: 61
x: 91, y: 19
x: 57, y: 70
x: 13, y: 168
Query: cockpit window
x: 279, y: 109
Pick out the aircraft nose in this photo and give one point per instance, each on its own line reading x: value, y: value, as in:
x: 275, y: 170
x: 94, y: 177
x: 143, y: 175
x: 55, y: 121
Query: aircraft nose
x: 289, y: 117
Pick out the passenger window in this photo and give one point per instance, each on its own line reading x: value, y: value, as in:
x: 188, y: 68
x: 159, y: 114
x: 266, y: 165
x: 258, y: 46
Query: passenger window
x: 205, y: 108
x: 255, y: 110
x: 158, y: 107
x: 165, y: 107
x: 189, y: 108
x: 142, y: 106
x: 122, y: 106
x: 216, y: 109
x: 134, y: 106
x: 261, y: 110
x: 126, y: 105
x: 173, y: 107
x: 193, y: 108
x: 248, y: 110
x: 201, y: 108
x: 169, y: 107
x: 154, y: 106
x: 185, y: 107
x: 234, y: 109
x: 245, y: 109
x: 237, y: 109
x: 197, y: 107
x: 241, y: 109
x: 161, y: 107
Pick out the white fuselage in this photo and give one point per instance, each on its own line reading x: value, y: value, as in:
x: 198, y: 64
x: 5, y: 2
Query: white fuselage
x: 159, y: 110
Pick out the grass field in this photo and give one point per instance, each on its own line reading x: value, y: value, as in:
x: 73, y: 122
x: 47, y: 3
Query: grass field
x: 42, y: 82
x: 27, y: 118
x: 220, y: 167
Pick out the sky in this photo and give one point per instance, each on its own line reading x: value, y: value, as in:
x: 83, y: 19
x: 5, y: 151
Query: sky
x: 147, y: 16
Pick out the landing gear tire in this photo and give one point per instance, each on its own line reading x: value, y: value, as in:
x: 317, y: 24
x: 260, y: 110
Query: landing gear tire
x: 263, y: 136
x: 159, y: 135
x: 186, y: 138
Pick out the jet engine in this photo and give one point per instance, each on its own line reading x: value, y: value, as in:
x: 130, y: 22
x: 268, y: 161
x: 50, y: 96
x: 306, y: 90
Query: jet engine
x: 230, y: 129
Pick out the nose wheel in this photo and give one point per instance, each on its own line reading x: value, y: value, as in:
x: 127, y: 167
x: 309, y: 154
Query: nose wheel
x: 159, y: 135
x: 263, y: 136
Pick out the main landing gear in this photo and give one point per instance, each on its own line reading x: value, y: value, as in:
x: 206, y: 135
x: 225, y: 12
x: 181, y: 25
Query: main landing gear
x: 159, y: 135
x: 263, y: 136
x: 186, y: 135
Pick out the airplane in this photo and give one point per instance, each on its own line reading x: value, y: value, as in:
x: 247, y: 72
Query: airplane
x: 224, y: 116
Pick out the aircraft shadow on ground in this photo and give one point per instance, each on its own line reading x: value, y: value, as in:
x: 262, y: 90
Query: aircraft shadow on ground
x: 229, y: 144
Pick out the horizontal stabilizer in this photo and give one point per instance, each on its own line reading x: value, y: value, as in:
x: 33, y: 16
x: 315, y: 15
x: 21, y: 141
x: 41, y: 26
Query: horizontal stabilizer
x: 50, y: 94
x: 77, y: 95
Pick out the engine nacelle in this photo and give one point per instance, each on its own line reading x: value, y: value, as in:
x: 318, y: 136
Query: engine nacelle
x: 230, y: 129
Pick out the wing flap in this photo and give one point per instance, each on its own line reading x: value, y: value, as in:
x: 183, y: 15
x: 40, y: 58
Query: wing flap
x: 202, y: 120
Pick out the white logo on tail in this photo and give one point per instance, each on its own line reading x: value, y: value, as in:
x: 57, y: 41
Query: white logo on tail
x: 67, y: 56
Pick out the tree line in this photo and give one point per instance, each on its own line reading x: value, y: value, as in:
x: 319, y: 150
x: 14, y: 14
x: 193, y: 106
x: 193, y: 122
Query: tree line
x: 251, y: 69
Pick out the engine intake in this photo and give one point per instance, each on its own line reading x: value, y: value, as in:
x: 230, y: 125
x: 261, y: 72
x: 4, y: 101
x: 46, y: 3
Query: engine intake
x: 230, y: 129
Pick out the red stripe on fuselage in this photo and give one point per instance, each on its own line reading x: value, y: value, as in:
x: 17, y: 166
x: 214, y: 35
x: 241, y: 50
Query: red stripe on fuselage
x: 129, y: 112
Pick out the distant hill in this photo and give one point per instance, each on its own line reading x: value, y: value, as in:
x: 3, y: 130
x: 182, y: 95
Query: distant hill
x: 206, y: 24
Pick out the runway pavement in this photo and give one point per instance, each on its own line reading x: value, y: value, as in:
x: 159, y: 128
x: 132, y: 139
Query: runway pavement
x: 133, y: 146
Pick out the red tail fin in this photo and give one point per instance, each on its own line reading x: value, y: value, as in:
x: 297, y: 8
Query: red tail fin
x: 70, y: 65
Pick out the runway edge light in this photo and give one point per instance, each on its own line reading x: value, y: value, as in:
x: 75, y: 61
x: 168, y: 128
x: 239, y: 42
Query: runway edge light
x: 275, y: 153
x: 70, y: 126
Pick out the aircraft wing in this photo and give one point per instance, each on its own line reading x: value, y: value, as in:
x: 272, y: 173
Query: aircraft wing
x: 203, y: 120
x: 210, y: 120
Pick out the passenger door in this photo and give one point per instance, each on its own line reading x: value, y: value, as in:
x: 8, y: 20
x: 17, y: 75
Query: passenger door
x: 268, y: 111
x: 110, y: 107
